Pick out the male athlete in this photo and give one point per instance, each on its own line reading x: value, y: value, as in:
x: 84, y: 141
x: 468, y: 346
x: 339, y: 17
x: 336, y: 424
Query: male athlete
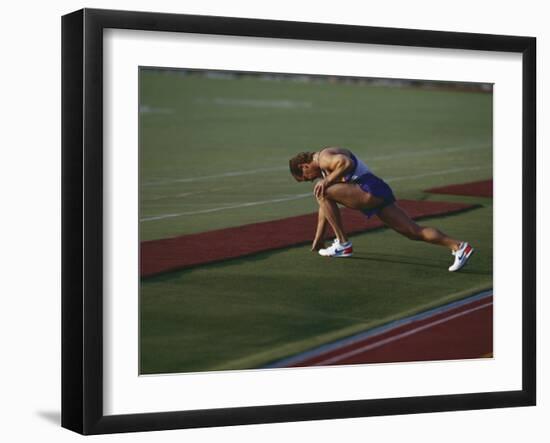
x: 347, y: 180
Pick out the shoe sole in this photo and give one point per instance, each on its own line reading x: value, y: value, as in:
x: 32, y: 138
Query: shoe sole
x: 338, y: 255
x: 464, y: 262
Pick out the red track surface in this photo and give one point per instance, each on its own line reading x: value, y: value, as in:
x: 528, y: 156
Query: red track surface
x: 461, y: 333
x: 475, y: 189
x: 159, y: 256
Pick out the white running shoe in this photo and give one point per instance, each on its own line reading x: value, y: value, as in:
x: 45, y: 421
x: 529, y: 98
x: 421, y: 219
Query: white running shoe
x: 462, y: 254
x: 337, y: 249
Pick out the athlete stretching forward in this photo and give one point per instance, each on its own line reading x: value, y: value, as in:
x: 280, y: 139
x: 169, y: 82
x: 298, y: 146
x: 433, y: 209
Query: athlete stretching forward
x: 347, y: 180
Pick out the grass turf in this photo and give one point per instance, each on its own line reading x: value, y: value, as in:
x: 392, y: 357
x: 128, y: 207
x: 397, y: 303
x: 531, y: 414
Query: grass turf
x: 247, y: 312
x: 190, y: 141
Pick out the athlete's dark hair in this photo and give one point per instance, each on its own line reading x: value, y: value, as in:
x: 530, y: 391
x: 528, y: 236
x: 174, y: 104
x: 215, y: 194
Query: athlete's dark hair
x: 295, y: 162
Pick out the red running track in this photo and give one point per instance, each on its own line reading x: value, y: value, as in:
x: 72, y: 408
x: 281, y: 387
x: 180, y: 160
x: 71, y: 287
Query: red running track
x: 159, y: 256
x: 482, y: 188
x: 463, y: 332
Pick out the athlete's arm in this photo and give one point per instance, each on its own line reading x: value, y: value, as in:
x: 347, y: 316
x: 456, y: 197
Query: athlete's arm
x: 338, y: 165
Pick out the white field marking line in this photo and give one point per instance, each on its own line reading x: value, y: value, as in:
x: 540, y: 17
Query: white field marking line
x: 146, y: 109
x: 183, y: 194
x: 223, y: 208
x: 399, y: 336
x: 427, y: 152
x: 164, y: 197
x: 209, y: 177
x: 402, y: 154
x: 255, y: 103
x: 299, y: 196
x: 429, y: 174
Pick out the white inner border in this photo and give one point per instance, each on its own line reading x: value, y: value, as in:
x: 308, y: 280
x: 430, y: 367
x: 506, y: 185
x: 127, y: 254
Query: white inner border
x: 125, y: 392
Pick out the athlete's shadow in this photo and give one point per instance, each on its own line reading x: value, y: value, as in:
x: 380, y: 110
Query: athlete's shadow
x: 403, y: 260
x: 406, y: 260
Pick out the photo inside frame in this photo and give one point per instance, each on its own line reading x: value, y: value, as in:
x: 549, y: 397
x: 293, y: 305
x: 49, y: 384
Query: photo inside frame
x: 228, y: 277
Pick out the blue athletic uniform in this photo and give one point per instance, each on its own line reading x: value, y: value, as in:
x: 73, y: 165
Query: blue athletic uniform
x: 368, y: 182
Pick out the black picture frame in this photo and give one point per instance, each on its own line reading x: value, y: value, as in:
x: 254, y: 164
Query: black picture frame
x: 82, y: 220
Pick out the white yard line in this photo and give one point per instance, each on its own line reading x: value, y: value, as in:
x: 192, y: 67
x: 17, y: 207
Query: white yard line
x: 300, y: 196
x: 403, y: 154
x: 430, y: 174
x: 145, y: 109
x: 223, y: 208
x: 255, y: 103
x: 426, y: 152
x: 210, y: 177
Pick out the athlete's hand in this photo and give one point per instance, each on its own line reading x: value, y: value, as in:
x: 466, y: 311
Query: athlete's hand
x: 320, y: 188
x: 317, y: 244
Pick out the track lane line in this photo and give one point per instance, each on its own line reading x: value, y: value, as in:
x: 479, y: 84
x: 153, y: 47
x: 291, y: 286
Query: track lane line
x: 382, y: 330
x: 388, y: 340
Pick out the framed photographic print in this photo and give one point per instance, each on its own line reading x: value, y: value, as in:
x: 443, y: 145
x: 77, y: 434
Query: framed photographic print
x: 269, y: 221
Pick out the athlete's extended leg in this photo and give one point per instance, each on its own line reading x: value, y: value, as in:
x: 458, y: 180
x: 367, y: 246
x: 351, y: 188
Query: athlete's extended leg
x: 399, y: 220
x: 354, y: 197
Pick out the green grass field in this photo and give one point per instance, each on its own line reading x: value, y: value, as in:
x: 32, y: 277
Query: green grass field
x: 214, y: 154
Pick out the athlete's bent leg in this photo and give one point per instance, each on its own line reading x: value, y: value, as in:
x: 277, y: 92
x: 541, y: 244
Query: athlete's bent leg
x: 349, y: 195
x: 397, y: 219
x: 319, y: 240
x: 331, y: 212
x: 352, y: 196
